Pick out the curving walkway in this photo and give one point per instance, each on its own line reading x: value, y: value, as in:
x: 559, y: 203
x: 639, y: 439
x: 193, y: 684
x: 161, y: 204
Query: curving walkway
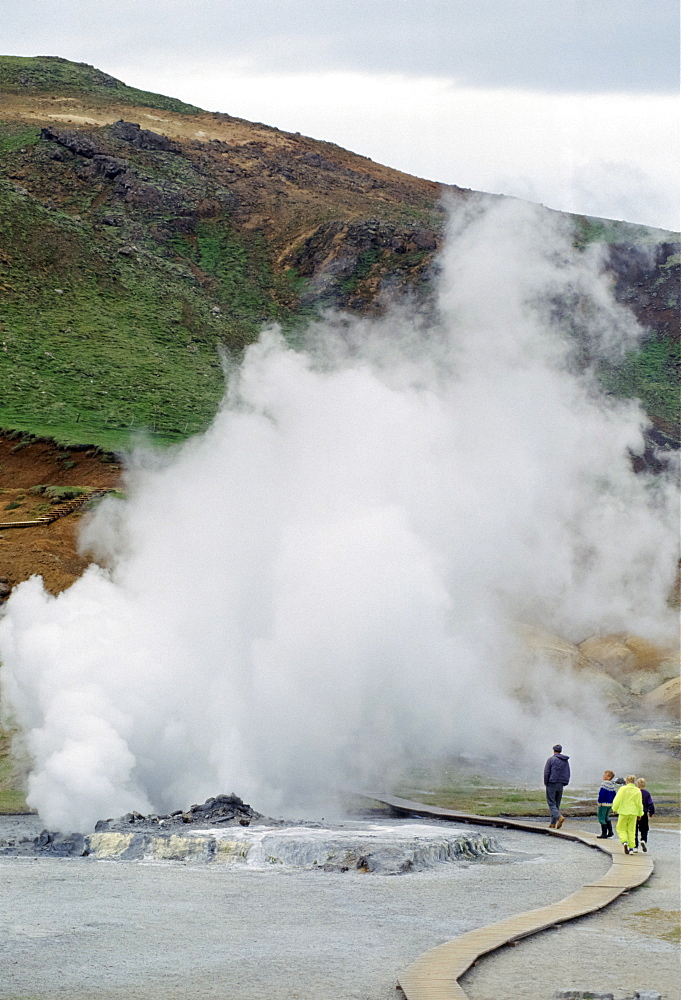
x: 435, y: 974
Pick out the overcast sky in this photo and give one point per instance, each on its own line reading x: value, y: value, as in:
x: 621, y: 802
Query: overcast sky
x: 569, y: 102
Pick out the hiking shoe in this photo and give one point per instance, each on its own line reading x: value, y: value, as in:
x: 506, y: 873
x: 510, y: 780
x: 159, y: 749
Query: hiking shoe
x: 559, y: 822
x: 626, y: 848
x: 552, y: 826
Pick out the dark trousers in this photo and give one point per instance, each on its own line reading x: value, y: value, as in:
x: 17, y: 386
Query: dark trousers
x: 642, y: 829
x: 554, y: 793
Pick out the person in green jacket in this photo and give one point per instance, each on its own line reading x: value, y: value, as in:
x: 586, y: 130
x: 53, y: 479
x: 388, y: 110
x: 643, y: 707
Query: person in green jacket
x: 628, y: 804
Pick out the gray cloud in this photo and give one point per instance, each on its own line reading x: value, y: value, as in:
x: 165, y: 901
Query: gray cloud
x: 552, y: 45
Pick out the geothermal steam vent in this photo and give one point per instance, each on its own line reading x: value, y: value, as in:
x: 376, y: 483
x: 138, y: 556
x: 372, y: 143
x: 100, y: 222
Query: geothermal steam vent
x: 381, y: 510
x: 226, y: 830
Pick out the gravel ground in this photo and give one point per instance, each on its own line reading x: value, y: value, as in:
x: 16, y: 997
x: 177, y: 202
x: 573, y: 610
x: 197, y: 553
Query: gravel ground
x: 77, y: 929
x: 621, y: 949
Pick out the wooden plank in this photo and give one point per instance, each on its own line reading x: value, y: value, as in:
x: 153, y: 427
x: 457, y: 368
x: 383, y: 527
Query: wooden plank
x: 20, y: 524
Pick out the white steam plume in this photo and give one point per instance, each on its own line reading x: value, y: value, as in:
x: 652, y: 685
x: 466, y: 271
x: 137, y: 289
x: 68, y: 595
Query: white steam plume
x: 325, y: 584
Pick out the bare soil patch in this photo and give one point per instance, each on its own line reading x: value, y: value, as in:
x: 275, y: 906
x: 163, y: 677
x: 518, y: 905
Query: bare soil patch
x: 49, y: 550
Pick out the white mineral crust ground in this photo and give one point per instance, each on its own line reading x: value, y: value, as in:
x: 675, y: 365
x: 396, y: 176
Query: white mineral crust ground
x: 78, y: 929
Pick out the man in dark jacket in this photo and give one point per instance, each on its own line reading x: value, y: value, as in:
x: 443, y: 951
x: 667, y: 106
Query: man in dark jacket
x: 556, y: 777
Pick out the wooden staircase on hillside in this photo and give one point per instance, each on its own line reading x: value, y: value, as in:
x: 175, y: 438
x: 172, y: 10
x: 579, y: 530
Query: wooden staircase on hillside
x: 61, y: 510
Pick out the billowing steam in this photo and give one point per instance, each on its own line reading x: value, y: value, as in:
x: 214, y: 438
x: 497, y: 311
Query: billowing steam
x: 326, y: 584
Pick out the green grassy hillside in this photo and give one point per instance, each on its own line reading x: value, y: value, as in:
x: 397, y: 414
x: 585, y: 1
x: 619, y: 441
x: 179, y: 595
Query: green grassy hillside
x: 54, y: 75
x: 100, y: 345
x: 130, y: 257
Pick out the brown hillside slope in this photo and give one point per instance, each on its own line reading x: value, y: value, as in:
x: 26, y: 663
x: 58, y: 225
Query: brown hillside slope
x: 49, y: 550
x: 283, y: 183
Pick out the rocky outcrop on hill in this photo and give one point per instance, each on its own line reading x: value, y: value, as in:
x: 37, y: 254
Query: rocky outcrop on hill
x: 655, y: 304
x: 356, y: 265
x: 142, y: 138
x: 629, y: 675
x: 666, y: 698
x: 78, y: 142
x: 640, y: 666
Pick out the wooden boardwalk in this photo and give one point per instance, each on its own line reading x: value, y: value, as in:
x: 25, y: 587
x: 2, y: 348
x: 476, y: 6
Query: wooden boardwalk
x: 435, y: 974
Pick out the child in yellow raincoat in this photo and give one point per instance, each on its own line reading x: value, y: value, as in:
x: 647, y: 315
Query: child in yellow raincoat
x: 628, y: 804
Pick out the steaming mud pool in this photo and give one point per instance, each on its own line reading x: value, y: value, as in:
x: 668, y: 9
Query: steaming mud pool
x: 290, y: 913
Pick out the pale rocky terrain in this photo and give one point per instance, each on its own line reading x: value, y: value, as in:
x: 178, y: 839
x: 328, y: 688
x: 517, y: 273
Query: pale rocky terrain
x: 635, y: 680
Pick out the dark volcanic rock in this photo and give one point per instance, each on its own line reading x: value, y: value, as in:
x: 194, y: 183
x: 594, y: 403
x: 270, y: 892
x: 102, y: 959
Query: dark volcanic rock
x: 349, y: 265
x: 222, y: 810
x: 425, y: 239
x: 60, y: 844
x: 145, y: 196
x: 76, y: 142
x: 646, y: 279
x: 143, y: 138
x: 225, y: 810
x: 110, y: 166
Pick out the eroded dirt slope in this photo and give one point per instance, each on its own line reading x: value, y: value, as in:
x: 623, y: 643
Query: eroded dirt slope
x: 50, y: 550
